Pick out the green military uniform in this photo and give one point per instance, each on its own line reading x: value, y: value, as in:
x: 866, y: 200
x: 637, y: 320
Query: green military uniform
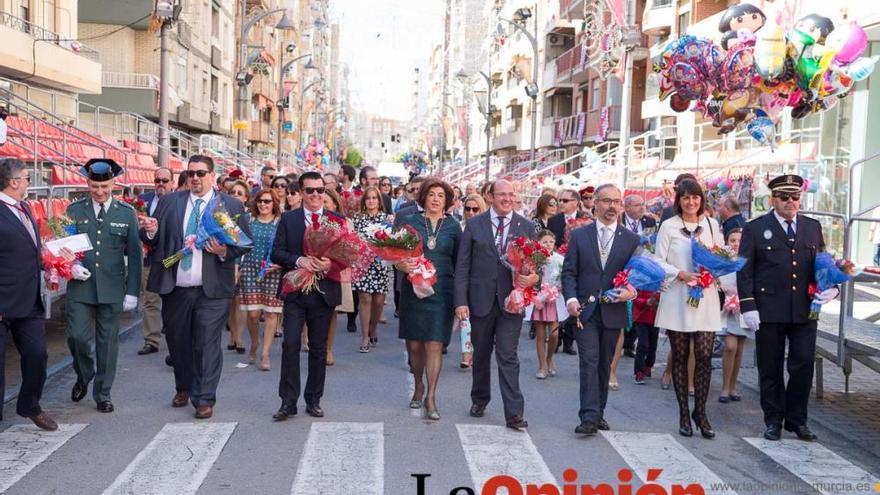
x: 100, y: 298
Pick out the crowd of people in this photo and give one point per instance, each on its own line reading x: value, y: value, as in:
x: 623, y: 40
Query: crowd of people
x: 592, y: 234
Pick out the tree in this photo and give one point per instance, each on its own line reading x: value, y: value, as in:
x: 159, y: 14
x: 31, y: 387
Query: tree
x: 353, y: 157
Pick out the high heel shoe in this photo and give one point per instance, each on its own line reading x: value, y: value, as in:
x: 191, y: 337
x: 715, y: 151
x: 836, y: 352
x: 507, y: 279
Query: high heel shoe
x: 684, y: 427
x: 264, y: 364
x: 704, y: 426
x: 432, y: 415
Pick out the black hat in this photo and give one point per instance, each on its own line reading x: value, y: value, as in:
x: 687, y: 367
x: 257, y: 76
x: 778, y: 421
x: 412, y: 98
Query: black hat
x: 101, y: 169
x: 788, y: 183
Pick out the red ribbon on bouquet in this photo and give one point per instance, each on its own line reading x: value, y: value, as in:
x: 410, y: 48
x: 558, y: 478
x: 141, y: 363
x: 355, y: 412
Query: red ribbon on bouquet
x: 423, y: 277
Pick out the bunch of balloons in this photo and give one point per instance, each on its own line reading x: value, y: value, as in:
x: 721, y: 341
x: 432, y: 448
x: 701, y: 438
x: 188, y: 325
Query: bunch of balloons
x: 314, y: 155
x: 758, y: 70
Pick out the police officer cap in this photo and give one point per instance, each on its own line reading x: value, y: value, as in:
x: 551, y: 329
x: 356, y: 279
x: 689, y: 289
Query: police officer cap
x: 788, y: 183
x: 101, y: 169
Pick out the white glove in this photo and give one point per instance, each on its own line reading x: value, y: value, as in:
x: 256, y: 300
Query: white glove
x: 752, y: 320
x: 828, y: 295
x: 80, y: 272
x: 130, y: 303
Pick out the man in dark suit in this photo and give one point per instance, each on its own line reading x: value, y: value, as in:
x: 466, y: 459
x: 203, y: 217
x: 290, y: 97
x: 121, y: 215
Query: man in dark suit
x: 21, y: 307
x: 314, y: 308
x: 197, y: 291
x: 164, y: 182
x: 482, y: 283
x: 596, y: 253
x: 780, y: 248
x: 634, y: 220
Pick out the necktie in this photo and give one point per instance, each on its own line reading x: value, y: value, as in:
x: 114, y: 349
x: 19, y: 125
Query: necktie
x: 499, y: 235
x: 604, y: 235
x: 790, y: 230
x: 316, y: 221
x: 192, y: 225
x: 26, y: 220
x: 101, y: 212
x: 634, y: 226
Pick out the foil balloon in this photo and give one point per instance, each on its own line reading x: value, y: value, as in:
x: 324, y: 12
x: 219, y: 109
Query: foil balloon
x: 723, y: 187
x: 763, y: 131
x: 862, y: 68
x: 835, y: 82
x: 743, y: 17
x: 846, y: 43
x: 737, y: 69
x: 734, y: 109
x: 770, y: 49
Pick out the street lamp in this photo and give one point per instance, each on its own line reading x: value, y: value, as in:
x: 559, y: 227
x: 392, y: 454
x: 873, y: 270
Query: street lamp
x: 302, y: 95
x: 243, y: 78
x: 280, y: 102
x: 520, y: 17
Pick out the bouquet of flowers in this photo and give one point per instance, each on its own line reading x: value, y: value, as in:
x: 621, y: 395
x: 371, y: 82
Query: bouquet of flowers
x: 547, y: 295
x: 731, y: 304
x: 402, y: 244
x: 640, y: 273
x: 217, y: 223
x: 140, y: 207
x: 57, y: 267
x: 574, y: 224
x: 829, y: 272
x: 711, y: 263
x: 332, y: 240
x: 648, y: 239
x: 524, y: 256
x: 351, y: 200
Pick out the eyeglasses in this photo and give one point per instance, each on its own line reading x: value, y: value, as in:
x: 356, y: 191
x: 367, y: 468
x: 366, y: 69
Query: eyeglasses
x: 566, y: 200
x: 292, y: 193
x: 279, y: 186
x: 551, y: 204
x: 200, y: 173
x: 788, y: 196
x: 412, y: 190
x: 475, y: 209
x: 24, y: 177
x: 384, y: 184
x: 586, y: 198
x: 161, y: 181
x: 265, y: 201
x: 609, y: 202
x: 270, y: 176
x: 314, y: 190
x: 237, y: 192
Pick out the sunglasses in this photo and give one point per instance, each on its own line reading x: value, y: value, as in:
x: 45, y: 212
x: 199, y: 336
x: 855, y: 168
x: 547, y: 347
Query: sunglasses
x: 551, y: 204
x: 566, y: 200
x: 200, y: 173
x: 279, y: 186
x: 412, y: 191
x: 270, y: 176
x: 292, y: 193
x: 265, y: 201
x: 586, y: 198
x: 161, y: 181
x: 237, y: 192
x: 475, y: 209
x: 314, y: 190
x: 385, y: 184
x: 788, y: 196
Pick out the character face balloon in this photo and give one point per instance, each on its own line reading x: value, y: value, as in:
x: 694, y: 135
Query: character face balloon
x: 847, y: 42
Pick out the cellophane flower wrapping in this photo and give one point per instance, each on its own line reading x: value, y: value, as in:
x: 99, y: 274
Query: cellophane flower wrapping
x: 332, y: 239
x: 56, y: 268
x: 640, y: 273
x: 216, y: 222
x: 139, y: 205
x: 547, y: 295
x: 404, y: 243
x: 524, y: 256
x: 465, y: 328
x: 351, y: 200
x: 648, y: 239
x: 710, y: 263
x: 829, y: 272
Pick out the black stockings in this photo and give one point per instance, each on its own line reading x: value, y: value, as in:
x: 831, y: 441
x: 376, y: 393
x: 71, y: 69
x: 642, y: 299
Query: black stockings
x: 680, y: 343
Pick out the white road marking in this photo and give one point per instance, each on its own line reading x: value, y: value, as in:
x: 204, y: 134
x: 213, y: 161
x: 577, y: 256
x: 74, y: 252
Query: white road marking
x: 644, y: 451
x: 825, y: 471
x: 342, y: 458
x: 496, y: 450
x: 176, y: 460
x: 24, y: 447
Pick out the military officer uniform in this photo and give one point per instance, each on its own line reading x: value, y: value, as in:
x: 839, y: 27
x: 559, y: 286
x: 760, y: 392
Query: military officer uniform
x: 775, y: 281
x: 112, y: 228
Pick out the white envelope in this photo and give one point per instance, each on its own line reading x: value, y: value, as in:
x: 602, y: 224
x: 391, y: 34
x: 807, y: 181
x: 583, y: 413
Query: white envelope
x: 77, y: 243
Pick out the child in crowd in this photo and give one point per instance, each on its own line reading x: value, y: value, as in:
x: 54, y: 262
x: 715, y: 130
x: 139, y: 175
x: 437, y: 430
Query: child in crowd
x: 734, y: 331
x: 547, y: 308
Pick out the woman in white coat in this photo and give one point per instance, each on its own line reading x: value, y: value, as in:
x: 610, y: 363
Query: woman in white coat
x: 682, y: 321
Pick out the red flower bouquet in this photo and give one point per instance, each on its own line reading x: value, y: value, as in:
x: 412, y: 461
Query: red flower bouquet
x: 140, y: 207
x: 351, y: 200
x: 402, y: 244
x: 57, y: 268
x: 524, y: 256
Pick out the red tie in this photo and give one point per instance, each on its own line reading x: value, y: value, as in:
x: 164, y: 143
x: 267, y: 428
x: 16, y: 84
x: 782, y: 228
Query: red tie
x: 315, y: 221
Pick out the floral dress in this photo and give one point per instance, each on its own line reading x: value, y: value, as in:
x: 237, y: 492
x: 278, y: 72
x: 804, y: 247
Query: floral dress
x: 256, y: 294
x: 376, y: 279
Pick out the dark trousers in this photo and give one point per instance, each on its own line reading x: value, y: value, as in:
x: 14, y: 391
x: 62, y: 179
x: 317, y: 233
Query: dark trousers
x: 312, y: 310
x: 353, y: 316
x: 29, y: 337
x: 596, y: 344
x: 569, y: 327
x: 397, y: 282
x: 646, y: 349
x: 193, y: 325
x: 497, y: 331
x: 629, y: 340
x: 781, y: 401
x: 81, y: 317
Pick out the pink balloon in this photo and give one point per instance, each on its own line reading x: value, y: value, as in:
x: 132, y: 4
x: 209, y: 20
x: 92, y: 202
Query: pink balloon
x: 848, y: 41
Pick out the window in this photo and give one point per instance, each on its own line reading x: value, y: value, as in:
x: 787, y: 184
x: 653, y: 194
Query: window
x: 615, y: 91
x: 182, y: 78
x: 49, y: 15
x: 684, y: 20
x: 596, y: 100
x: 215, y: 22
x: 24, y: 10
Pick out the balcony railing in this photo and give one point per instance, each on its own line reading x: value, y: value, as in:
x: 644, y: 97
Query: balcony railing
x: 661, y: 3
x: 575, y: 59
x: 602, y: 121
x: 129, y: 80
x: 564, y: 5
x: 570, y: 130
x: 43, y: 34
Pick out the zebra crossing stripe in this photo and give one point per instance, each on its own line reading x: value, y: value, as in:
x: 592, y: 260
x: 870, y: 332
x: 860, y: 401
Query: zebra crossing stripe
x: 644, y: 451
x: 176, y: 460
x: 822, y: 469
x: 342, y: 458
x: 24, y: 447
x: 495, y: 450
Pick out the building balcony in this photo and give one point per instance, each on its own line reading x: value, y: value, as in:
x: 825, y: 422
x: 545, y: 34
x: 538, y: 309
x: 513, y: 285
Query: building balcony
x: 53, y: 62
x: 569, y: 130
x: 603, y: 123
x: 510, y: 138
x: 658, y: 18
x: 573, y: 65
x: 259, y: 132
x: 128, y: 92
x: 571, y: 9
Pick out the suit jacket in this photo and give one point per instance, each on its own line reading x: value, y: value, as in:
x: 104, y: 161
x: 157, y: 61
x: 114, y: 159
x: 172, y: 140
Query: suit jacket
x: 557, y: 224
x: 406, y: 210
x: 20, y: 264
x: 480, y: 277
x: 777, y: 275
x: 386, y: 203
x: 584, y: 279
x: 218, y: 277
x: 646, y: 222
x: 288, y: 248
x: 113, y: 241
x: 147, y: 198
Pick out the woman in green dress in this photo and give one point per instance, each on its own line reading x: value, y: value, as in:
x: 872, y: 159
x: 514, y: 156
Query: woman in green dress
x: 426, y: 324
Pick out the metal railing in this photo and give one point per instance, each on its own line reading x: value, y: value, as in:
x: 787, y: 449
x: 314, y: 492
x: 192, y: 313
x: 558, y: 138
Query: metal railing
x: 129, y: 80
x: 42, y: 34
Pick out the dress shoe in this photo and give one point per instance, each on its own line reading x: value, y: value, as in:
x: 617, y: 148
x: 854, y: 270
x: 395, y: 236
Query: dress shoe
x: 684, y: 426
x: 705, y: 428
x: 168, y: 361
x: 148, y: 349
x: 773, y: 432
x: 79, y: 391
x: 586, y: 428
x: 105, y: 406
x: 602, y: 424
x: 44, y: 422
x: 204, y: 412
x: 724, y: 399
x: 803, y: 432
x: 569, y: 350
x: 180, y: 399
x: 735, y: 397
x: 314, y: 410
x: 517, y: 423
x: 284, y: 412
x: 477, y: 411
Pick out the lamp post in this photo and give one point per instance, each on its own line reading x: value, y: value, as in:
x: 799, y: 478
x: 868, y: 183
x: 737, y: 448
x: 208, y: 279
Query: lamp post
x: 242, y: 77
x: 302, y: 95
x: 280, y: 102
x: 521, y: 15
x: 487, y: 113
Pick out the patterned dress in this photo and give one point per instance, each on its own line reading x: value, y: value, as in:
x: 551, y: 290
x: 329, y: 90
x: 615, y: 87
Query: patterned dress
x: 376, y: 279
x: 255, y: 294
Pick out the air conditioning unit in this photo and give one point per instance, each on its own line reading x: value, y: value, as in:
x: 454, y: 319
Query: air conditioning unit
x: 554, y: 40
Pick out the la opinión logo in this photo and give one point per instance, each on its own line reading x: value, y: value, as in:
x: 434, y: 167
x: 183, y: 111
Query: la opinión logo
x: 512, y: 486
